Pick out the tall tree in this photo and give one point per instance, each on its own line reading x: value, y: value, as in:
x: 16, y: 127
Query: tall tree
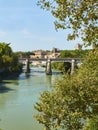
x: 81, y: 16
x: 5, y: 53
x: 8, y: 59
x: 5, y: 49
x: 74, y: 99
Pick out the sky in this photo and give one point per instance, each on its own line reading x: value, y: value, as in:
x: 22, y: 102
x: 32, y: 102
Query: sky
x: 28, y: 28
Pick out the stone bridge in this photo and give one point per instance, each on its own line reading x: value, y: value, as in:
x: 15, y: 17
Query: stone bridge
x: 48, y: 70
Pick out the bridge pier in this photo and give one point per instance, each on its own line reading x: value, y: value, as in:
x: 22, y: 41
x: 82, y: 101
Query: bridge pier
x: 27, y: 69
x: 48, y: 67
x: 72, y: 66
x: 48, y: 63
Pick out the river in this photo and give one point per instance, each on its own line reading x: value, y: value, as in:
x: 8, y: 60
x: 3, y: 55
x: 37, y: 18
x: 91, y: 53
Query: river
x: 18, y: 97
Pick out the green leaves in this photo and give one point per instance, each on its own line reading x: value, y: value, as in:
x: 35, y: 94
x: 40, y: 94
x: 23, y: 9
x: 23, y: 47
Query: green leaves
x: 8, y: 60
x: 91, y: 124
x: 80, y: 16
x: 5, y: 49
x: 5, y: 53
x: 74, y: 99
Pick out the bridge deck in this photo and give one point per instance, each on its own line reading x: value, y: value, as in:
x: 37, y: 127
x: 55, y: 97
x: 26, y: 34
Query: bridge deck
x: 53, y: 59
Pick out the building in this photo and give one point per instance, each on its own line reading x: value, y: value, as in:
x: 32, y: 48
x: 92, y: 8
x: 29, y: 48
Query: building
x: 46, y: 54
x: 38, y: 54
x: 78, y: 47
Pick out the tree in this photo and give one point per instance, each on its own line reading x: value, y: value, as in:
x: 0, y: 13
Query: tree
x: 81, y: 16
x: 5, y: 53
x: 74, y: 99
x: 91, y: 124
x: 24, y: 54
x: 5, y: 49
x: 8, y: 59
x: 15, y: 65
x: 66, y: 67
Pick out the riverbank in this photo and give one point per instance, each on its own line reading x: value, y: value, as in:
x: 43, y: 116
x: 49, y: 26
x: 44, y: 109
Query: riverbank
x: 9, y: 75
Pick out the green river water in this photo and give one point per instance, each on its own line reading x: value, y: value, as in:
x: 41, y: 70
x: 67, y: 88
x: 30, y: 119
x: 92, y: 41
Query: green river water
x: 18, y: 98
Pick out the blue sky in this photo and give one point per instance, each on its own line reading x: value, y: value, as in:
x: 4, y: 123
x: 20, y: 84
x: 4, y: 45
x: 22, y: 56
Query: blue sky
x: 27, y: 27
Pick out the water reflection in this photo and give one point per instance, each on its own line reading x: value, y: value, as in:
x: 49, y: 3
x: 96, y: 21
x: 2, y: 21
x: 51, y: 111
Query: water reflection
x: 49, y: 80
x: 27, y: 75
x: 18, y: 98
x: 3, y: 88
x: 5, y: 85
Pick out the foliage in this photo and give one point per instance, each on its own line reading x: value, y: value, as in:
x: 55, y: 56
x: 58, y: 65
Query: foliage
x: 73, y: 53
x: 5, y: 49
x: 62, y: 66
x: 24, y: 54
x: 5, y: 54
x: 65, y: 67
x: 8, y: 60
x: 74, y: 99
x: 92, y: 124
x: 15, y: 66
x: 81, y: 16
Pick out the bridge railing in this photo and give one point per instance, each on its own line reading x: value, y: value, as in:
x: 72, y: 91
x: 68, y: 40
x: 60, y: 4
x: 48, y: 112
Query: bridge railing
x: 73, y: 61
x: 53, y: 59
